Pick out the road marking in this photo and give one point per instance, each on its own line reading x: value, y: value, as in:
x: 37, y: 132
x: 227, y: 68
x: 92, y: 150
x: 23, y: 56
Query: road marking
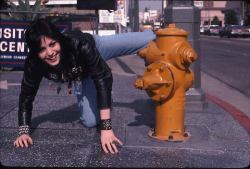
x: 246, y: 54
x: 4, y: 84
x: 232, y: 38
x: 226, y: 41
x: 229, y: 40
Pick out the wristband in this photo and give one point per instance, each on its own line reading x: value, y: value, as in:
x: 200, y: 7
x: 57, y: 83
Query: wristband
x: 106, y: 124
x: 23, y: 130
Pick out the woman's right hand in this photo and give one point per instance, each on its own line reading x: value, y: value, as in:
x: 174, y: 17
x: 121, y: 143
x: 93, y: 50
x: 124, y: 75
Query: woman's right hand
x: 23, y: 141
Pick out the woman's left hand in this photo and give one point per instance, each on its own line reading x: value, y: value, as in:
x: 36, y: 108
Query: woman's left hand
x: 108, y: 140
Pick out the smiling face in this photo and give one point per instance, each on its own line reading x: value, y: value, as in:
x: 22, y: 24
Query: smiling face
x: 50, y: 51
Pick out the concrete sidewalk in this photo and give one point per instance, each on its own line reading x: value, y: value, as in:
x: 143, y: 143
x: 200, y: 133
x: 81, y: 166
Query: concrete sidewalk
x: 217, y: 139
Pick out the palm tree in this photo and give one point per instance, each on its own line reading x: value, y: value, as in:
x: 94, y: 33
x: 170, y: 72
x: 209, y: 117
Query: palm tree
x: 4, y: 4
x: 24, y: 11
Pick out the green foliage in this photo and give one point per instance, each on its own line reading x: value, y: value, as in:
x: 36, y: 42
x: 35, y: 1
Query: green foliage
x: 3, y: 4
x: 230, y: 17
x: 147, y: 22
x: 247, y: 21
x: 146, y: 9
x: 215, y: 21
x: 24, y: 11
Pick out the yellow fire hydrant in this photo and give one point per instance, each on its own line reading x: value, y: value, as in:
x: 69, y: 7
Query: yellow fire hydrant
x: 166, y: 79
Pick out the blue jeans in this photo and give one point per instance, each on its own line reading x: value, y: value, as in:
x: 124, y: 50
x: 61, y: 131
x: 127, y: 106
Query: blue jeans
x: 110, y: 46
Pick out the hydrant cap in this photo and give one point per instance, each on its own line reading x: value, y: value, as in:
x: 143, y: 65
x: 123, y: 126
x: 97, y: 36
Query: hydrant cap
x: 172, y: 30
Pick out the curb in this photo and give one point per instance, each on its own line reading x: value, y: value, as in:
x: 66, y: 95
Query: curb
x: 238, y: 115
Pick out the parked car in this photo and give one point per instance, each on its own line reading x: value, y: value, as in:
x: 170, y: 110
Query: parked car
x: 212, y: 30
x: 232, y: 31
x: 202, y: 29
x: 246, y: 31
x: 205, y: 29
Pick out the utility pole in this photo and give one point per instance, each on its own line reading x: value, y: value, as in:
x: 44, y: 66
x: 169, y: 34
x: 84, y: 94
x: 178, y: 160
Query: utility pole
x: 162, y: 8
x: 97, y: 22
x: 186, y: 16
x: 134, y: 15
x: 243, y: 12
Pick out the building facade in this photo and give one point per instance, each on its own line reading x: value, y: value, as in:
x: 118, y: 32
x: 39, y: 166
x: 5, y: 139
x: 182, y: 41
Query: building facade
x: 211, y: 9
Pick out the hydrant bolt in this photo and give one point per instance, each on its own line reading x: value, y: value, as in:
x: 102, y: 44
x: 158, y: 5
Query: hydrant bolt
x: 139, y: 84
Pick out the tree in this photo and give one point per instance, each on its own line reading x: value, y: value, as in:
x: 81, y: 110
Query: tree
x: 215, y: 21
x: 247, y: 21
x: 4, y: 5
x: 230, y: 17
x: 146, y: 9
x: 148, y: 22
x: 24, y: 11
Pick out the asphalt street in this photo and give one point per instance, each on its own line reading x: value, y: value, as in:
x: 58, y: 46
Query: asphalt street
x: 228, y: 60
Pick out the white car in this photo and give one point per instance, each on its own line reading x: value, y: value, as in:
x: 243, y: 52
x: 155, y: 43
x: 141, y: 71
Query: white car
x: 214, y: 29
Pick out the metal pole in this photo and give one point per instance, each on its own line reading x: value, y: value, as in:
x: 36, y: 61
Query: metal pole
x: 97, y: 22
x: 162, y: 8
x: 130, y: 14
x: 185, y: 15
x: 134, y: 15
x: 243, y: 12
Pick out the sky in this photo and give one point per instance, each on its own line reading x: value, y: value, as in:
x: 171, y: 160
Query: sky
x: 153, y: 4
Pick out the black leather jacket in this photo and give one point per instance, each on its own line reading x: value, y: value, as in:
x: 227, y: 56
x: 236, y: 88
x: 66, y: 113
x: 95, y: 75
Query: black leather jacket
x: 79, y: 59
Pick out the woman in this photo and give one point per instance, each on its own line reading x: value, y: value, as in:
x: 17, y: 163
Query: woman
x: 74, y: 57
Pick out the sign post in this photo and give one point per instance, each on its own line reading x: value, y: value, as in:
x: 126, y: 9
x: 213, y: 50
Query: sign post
x: 186, y: 16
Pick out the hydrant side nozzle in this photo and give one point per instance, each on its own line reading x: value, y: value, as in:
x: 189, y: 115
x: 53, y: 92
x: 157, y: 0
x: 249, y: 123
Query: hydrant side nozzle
x: 190, y: 55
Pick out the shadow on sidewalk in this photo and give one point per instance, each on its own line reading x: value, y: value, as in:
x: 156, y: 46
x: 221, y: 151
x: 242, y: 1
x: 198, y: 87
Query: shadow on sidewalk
x: 65, y: 115
x: 144, y: 109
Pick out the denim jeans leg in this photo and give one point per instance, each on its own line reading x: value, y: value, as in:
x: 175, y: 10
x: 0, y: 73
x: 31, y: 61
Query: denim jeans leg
x: 89, y: 114
x: 109, y: 47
